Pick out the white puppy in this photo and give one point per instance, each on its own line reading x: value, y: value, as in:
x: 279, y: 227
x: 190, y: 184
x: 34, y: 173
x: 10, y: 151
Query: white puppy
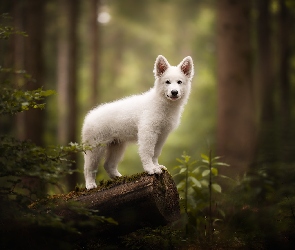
x: 146, y: 119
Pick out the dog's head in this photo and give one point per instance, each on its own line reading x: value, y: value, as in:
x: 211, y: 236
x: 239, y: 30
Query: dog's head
x: 174, y: 81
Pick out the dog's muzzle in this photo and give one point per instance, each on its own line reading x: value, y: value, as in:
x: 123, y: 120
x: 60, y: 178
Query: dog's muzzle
x: 173, y: 95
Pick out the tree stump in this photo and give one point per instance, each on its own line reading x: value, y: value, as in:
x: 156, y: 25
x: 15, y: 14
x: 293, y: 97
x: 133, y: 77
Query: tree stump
x: 134, y: 202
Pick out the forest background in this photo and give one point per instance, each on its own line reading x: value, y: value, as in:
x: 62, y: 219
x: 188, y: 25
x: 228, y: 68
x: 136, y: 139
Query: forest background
x: 92, y: 52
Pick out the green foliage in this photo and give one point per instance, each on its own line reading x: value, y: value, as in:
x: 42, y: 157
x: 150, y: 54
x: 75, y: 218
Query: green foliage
x: 27, y: 170
x: 238, y: 217
x: 149, y: 238
x: 23, y: 158
x: 6, y: 31
x: 14, y: 100
x: 263, y: 198
x: 196, y: 183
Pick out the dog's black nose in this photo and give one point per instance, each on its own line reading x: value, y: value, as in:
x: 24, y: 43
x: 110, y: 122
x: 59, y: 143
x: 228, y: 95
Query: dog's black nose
x: 174, y: 92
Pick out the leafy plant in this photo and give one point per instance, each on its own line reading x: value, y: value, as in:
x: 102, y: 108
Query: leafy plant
x: 196, y: 183
x: 26, y: 170
x: 6, y: 30
x: 149, y: 238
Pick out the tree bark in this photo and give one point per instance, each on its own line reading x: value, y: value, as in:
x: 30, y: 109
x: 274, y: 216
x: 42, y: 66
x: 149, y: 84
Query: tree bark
x: 29, y: 56
x: 284, y: 78
x: 67, y: 77
x: 265, y: 84
x: 265, y: 59
x: 94, y: 51
x: 235, y: 125
x: 138, y: 201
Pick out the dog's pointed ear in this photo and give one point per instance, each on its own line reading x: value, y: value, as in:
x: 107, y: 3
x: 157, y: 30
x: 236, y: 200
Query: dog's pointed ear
x: 161, y: 65
x: 187, y: 67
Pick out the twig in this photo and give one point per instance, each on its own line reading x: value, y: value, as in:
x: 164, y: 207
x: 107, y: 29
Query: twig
x: 210, y: 198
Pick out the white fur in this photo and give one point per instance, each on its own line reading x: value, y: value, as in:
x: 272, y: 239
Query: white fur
x: 146, y: 119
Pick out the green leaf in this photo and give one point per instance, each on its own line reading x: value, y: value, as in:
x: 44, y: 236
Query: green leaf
x: 216, y: 187
x: 180, y: 161
x: 216, y: 221
x: 198, y: 169
x: 180, y: 185
x: 195, y: 181
x: 205, y: 161
x: 220, y: 164
x: 226, y: 177
x: 48, y: 92
x: 178, y: 166
x: 193, y: 163
x: 205, y: 157
x: 214, y: 171
x: 204, y: 183
x: 205, y: 172
x: 186, y: 158
x: 182, y: 170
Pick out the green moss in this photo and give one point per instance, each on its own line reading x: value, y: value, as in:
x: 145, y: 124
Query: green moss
x: 102, y: 185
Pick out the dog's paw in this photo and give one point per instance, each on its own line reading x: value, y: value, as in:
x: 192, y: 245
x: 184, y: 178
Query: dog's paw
x: 91, y: 186
x: 155, y: 169
x: 163, y: 167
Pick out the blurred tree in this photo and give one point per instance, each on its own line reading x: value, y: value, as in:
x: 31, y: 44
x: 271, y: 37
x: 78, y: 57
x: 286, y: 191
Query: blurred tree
x: 28, y: 55
x: 284, y: 69
x: 265, y: 62
x: 94, y: 51
x: 235, y: 126
x: 265, y: 82
x: 67, y: 76
x: 18, y: 61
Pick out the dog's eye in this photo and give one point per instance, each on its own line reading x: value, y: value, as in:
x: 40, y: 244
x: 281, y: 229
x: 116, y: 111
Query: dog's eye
x: 168, y: 82
x: 179, y: 82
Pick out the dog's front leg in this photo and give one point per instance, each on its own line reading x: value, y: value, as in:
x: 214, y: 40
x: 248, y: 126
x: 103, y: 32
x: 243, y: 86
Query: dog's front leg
x: 158, y: 148
x: 147, y: 141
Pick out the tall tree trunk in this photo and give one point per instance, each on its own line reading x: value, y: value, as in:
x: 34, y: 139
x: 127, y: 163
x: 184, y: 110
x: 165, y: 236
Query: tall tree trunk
x: 284, y: 66
x: 265, y: 67
x: 29, y: 56
x: 235, y: 128
x: 94, y: 51
x: 67, y: 77
x: 18, y: 59
x: 265, y: 82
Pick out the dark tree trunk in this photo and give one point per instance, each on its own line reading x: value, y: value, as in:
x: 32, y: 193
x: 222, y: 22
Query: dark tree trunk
x: 265, y: 59
x: 34, y: 122
x: 94, y: 51
x: 139, y: 201
x: 18, y: 59
x: 265, y: 84
x: 29, y: 56
x: 67, y: 77
x: 235, y: 126
x: 284, y: 79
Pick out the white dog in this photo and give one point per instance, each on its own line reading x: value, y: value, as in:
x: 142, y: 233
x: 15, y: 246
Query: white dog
x: 146, y: 119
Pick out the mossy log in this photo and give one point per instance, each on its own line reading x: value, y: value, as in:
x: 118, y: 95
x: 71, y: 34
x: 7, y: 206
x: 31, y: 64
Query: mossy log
x: 136, y: 201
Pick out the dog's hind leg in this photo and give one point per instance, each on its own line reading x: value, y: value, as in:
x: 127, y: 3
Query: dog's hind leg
x: 114, y: 155
x: 91, y: 160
